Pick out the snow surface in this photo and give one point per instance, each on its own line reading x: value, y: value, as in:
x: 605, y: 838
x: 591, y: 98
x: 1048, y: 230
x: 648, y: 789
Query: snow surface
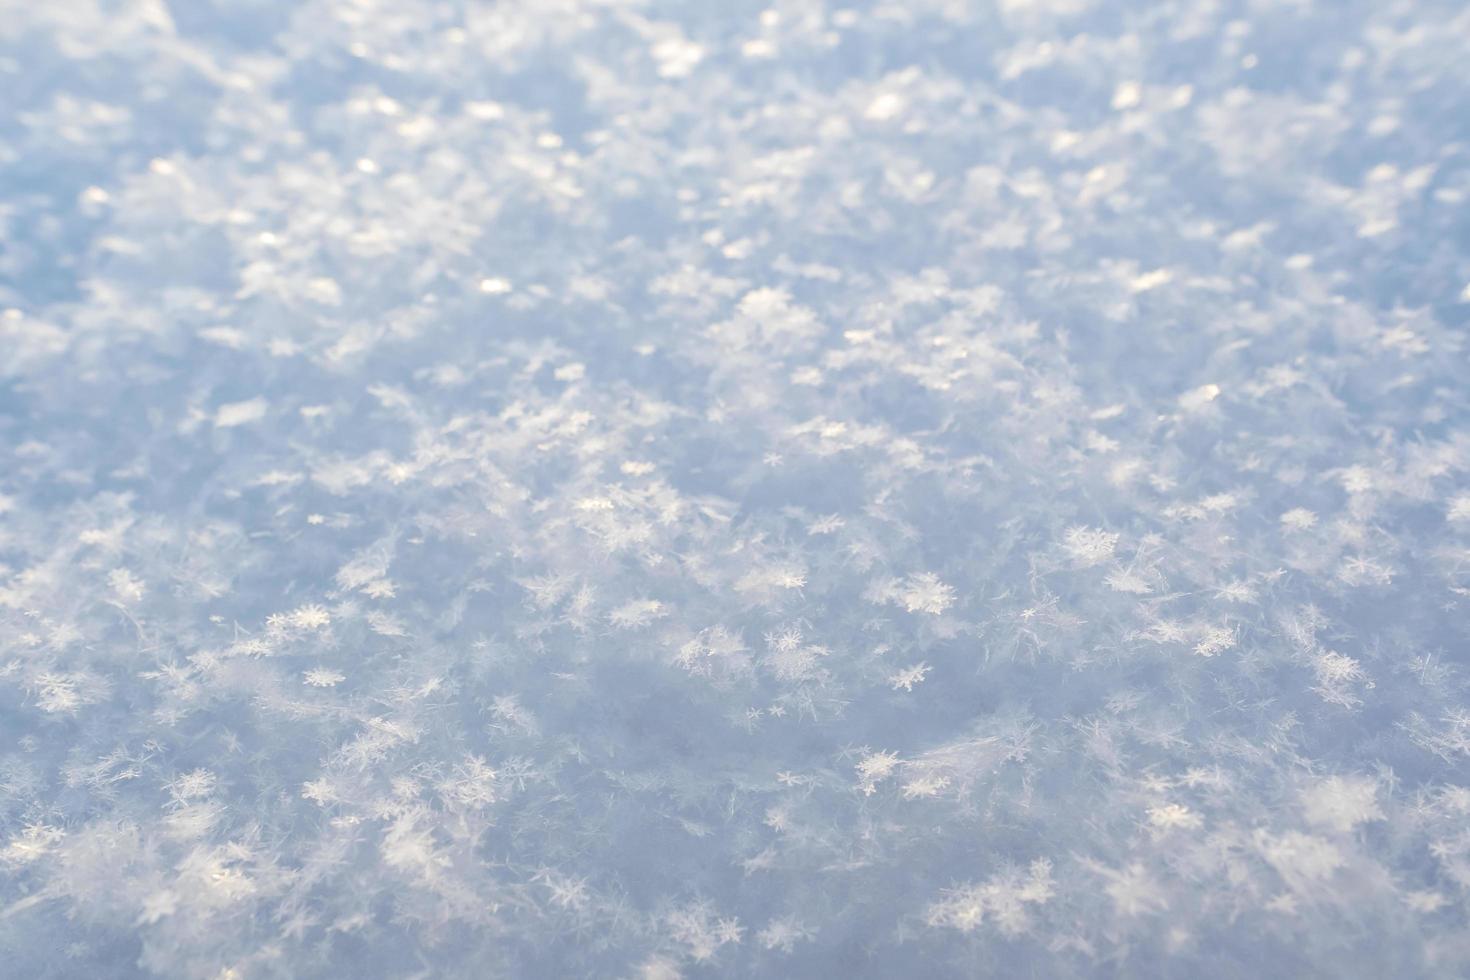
x: 625, y: 488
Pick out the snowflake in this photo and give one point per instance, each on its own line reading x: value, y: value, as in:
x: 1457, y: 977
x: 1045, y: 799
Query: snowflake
x: 198, y: 782
x: 637, y: 613
x: 127, y: 588
x: 1128, y: 580
x: 874, y: 768
x: 1089, y: 546
x: 904, y: 680
x: 323, y: 677
x: 1006, y: 897
x: 925, y: 593
x: 320, y: 791
x: 782, y: 934
x: 34, y: 841
x: 1214, y: 640
x: 310, y: 617
x: 925, y: 787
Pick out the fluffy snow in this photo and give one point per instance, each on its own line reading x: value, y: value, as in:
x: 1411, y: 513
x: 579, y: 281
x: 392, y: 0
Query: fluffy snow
x: 626, y: 488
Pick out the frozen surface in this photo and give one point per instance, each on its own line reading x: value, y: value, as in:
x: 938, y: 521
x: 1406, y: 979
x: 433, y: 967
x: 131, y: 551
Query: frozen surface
x: 622, y: 488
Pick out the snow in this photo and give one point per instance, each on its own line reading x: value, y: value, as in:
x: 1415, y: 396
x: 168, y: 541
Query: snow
x: 622, y: 488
